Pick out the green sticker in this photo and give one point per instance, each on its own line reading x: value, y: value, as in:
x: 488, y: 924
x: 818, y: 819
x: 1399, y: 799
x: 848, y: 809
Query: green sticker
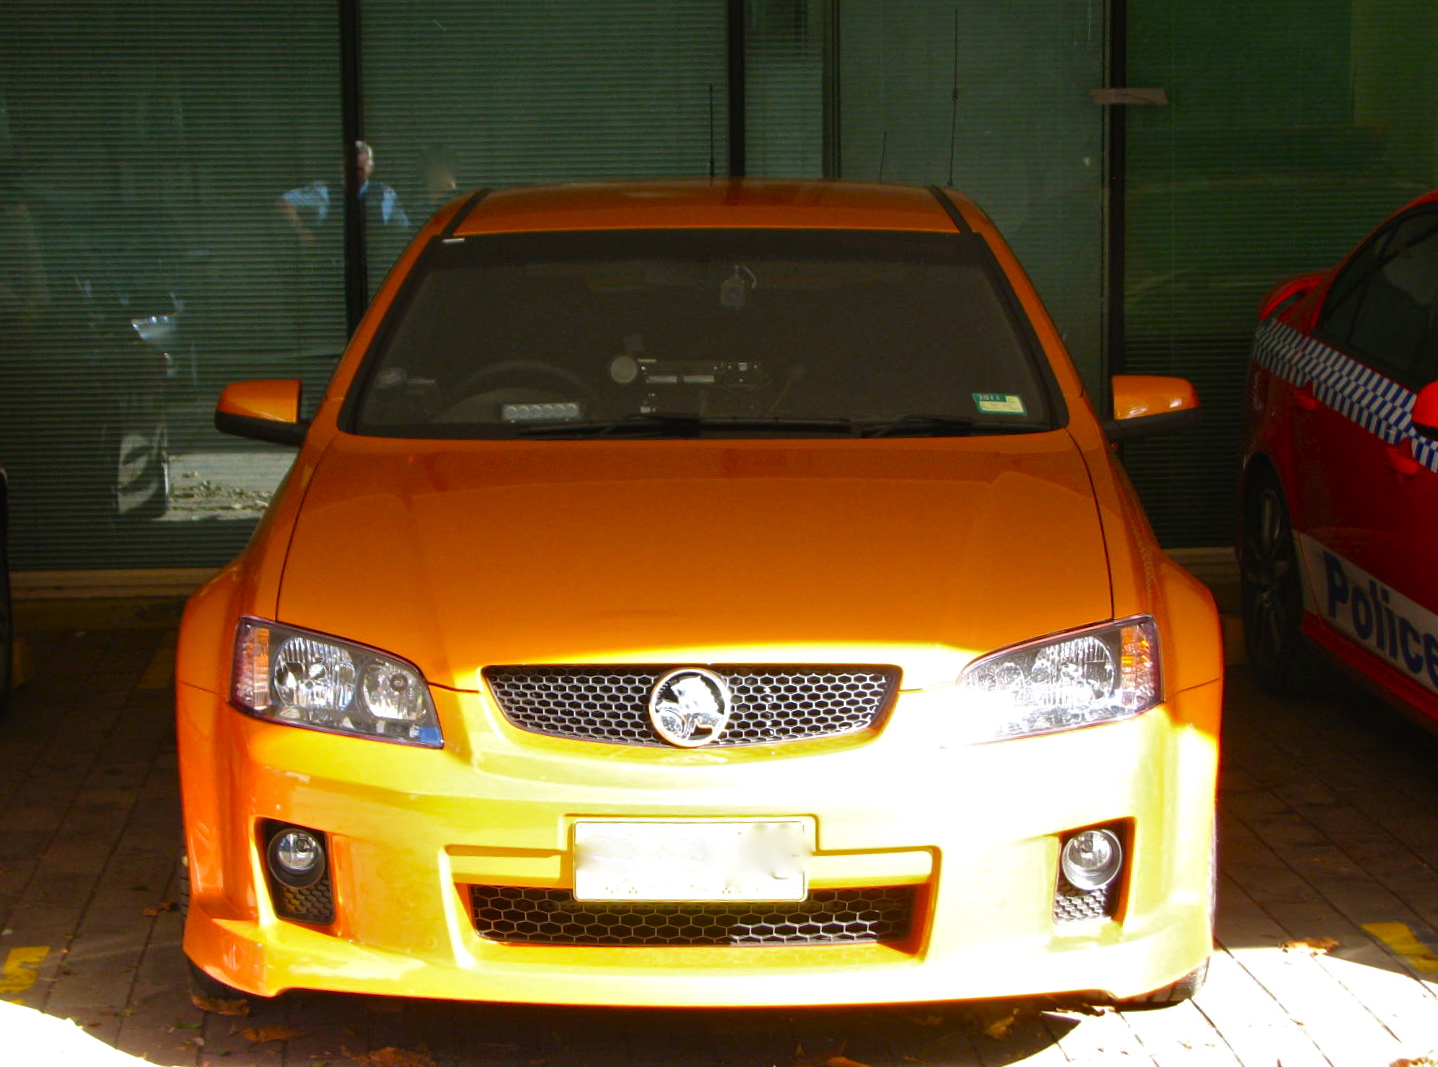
x: 1000, y: 403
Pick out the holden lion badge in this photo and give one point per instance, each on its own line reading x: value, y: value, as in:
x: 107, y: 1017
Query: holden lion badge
x: 690, y: 707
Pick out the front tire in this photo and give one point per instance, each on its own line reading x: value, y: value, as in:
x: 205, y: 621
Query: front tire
x: 1169, y: 995
x: 208, y: 994
x: 1272, y: 590
x: 1194, y: 980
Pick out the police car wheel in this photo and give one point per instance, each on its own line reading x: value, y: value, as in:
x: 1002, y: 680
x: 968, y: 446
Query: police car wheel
x: 1272, y: 593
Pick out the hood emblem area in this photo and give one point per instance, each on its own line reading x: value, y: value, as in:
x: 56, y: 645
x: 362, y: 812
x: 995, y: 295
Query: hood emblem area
x: 690, y: 707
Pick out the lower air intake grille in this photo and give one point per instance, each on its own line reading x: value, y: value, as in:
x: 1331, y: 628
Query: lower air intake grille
x: 313, y: 904
x: 1073, y: 905
x: 554, y: 917
x: 771, y: 704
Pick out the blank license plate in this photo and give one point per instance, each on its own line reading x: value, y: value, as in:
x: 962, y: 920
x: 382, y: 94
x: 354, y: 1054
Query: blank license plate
x: 703, y: 860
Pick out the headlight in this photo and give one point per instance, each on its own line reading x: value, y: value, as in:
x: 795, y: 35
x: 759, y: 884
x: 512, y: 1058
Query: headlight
x: 1089, y: 676
x: 306, y: 679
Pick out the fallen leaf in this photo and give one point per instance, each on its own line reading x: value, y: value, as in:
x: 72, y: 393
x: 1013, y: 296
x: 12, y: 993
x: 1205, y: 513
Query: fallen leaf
x: 927, y: 1020
x: 168, y: 905
x: 999, y: 1028
x: 843, y: 1061
x: 392, y: 1057
x: 262, y: 1034
x: 216, y: 1006
x: 1430, y: 1060
x: 995, y: 1020
x: 1313, y: 946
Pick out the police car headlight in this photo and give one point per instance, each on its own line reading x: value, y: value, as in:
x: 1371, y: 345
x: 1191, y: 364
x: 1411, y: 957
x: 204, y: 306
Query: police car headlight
x: 300, y: 678
x: 1081, y: 678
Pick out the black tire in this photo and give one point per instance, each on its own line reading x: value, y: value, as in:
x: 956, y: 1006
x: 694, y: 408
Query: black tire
x: 206, y: 993
x: 140, y: 463
x: 1194, y: 980
x: 1169, y: 995
x: 1272, y: 590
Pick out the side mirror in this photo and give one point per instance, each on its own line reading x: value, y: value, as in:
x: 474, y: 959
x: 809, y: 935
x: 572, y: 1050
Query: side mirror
x: 1146, y: 404
x: 1425, y: 412
x: 266, y: 410
x: 1289, y: 292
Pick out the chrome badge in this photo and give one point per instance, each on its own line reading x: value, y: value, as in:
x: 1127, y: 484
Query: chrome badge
x: 690, y: 707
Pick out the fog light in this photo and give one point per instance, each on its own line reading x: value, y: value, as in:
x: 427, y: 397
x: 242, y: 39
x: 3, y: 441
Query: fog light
x: 1091, y: 859
x: 296, y: 857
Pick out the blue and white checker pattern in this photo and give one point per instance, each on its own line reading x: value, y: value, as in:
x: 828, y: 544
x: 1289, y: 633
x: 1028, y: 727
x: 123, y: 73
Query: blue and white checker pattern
x: 1378, y: 404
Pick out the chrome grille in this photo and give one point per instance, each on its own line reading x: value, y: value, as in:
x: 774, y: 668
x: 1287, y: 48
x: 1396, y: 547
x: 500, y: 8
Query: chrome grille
x: 828, y: 916
x: 771, y: 704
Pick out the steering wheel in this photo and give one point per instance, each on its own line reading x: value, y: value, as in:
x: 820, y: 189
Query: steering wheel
x: 537, y: 373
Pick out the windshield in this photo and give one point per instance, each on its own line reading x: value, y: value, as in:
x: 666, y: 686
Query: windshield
x: 809, y: 333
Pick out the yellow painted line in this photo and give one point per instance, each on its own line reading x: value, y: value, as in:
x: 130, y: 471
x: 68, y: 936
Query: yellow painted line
x: 22, y: 663
x: 21, y: 969
x: 1405, y: 942
x: 160, y: 674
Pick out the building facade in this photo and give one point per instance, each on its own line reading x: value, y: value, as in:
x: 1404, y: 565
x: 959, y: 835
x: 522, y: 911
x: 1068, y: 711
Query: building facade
x: 173, y: 188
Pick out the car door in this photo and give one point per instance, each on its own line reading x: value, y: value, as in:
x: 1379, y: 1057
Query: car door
x: 1366, y: 482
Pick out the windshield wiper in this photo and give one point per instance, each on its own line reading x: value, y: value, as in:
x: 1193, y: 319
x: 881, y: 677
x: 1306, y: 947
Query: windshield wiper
x: 943, y: 426
x: 689, y: 424
x: 918, y: 426
x: 682, y: 424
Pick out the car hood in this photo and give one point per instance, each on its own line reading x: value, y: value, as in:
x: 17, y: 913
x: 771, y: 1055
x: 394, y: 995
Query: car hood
x: 925, y: 552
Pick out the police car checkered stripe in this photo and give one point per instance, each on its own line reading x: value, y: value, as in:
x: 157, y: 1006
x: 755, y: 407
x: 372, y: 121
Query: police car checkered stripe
x: 1377, y: 403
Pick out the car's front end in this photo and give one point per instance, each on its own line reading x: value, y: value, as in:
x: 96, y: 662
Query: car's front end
x: 765, y: 706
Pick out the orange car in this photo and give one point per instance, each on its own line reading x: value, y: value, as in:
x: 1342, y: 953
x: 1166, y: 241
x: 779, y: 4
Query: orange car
x: 702, y: 593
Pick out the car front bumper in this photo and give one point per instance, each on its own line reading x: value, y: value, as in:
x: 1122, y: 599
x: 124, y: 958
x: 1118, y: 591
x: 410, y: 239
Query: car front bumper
x: 970, y: 834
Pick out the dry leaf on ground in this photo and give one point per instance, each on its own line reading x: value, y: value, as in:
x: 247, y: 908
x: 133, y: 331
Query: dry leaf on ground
x: 216, y: 1006
x: 259, y: 1035
x: 392, y: 1057
x: 836, y: 1058
x: 1313, y: 946
x: 994, y: 1020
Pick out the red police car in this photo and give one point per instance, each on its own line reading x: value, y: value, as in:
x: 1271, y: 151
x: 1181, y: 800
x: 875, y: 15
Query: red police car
x: 1340, y: 468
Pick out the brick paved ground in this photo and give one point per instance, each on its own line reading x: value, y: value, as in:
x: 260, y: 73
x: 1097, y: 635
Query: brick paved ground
x: 1329, y: 830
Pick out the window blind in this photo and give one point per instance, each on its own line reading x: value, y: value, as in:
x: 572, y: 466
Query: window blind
x: 1293, y: 129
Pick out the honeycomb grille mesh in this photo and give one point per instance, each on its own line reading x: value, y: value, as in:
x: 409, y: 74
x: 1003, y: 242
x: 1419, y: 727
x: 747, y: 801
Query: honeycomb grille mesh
x: 1072, y: 905
x: 828, y: 916
x: 770, y: 704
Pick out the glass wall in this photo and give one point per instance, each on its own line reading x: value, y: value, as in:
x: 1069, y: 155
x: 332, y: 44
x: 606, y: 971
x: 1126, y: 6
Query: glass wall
x: 144, y: 148
x: 1293, y: 128
x: 994, y: 100
x: 463, y: 94
x: 172, y: 180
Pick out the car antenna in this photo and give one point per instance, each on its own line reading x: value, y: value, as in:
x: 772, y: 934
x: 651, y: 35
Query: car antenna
x: 711, y: 131
x: 954, y: 99
x: 883, y: 151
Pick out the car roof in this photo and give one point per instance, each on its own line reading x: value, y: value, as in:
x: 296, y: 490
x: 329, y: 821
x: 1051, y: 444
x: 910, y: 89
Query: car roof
x: 710, y: 204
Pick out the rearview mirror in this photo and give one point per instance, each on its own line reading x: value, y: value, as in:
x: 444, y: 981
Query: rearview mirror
x: 1425, y: 412
x: 1146, y: 404
x: 267, y: 410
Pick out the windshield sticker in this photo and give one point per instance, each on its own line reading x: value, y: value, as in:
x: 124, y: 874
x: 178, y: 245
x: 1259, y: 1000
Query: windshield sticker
x: 1000, y: 404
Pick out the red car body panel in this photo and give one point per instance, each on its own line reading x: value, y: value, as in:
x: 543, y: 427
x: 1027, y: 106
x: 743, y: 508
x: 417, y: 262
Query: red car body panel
x: 1329, y: 414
